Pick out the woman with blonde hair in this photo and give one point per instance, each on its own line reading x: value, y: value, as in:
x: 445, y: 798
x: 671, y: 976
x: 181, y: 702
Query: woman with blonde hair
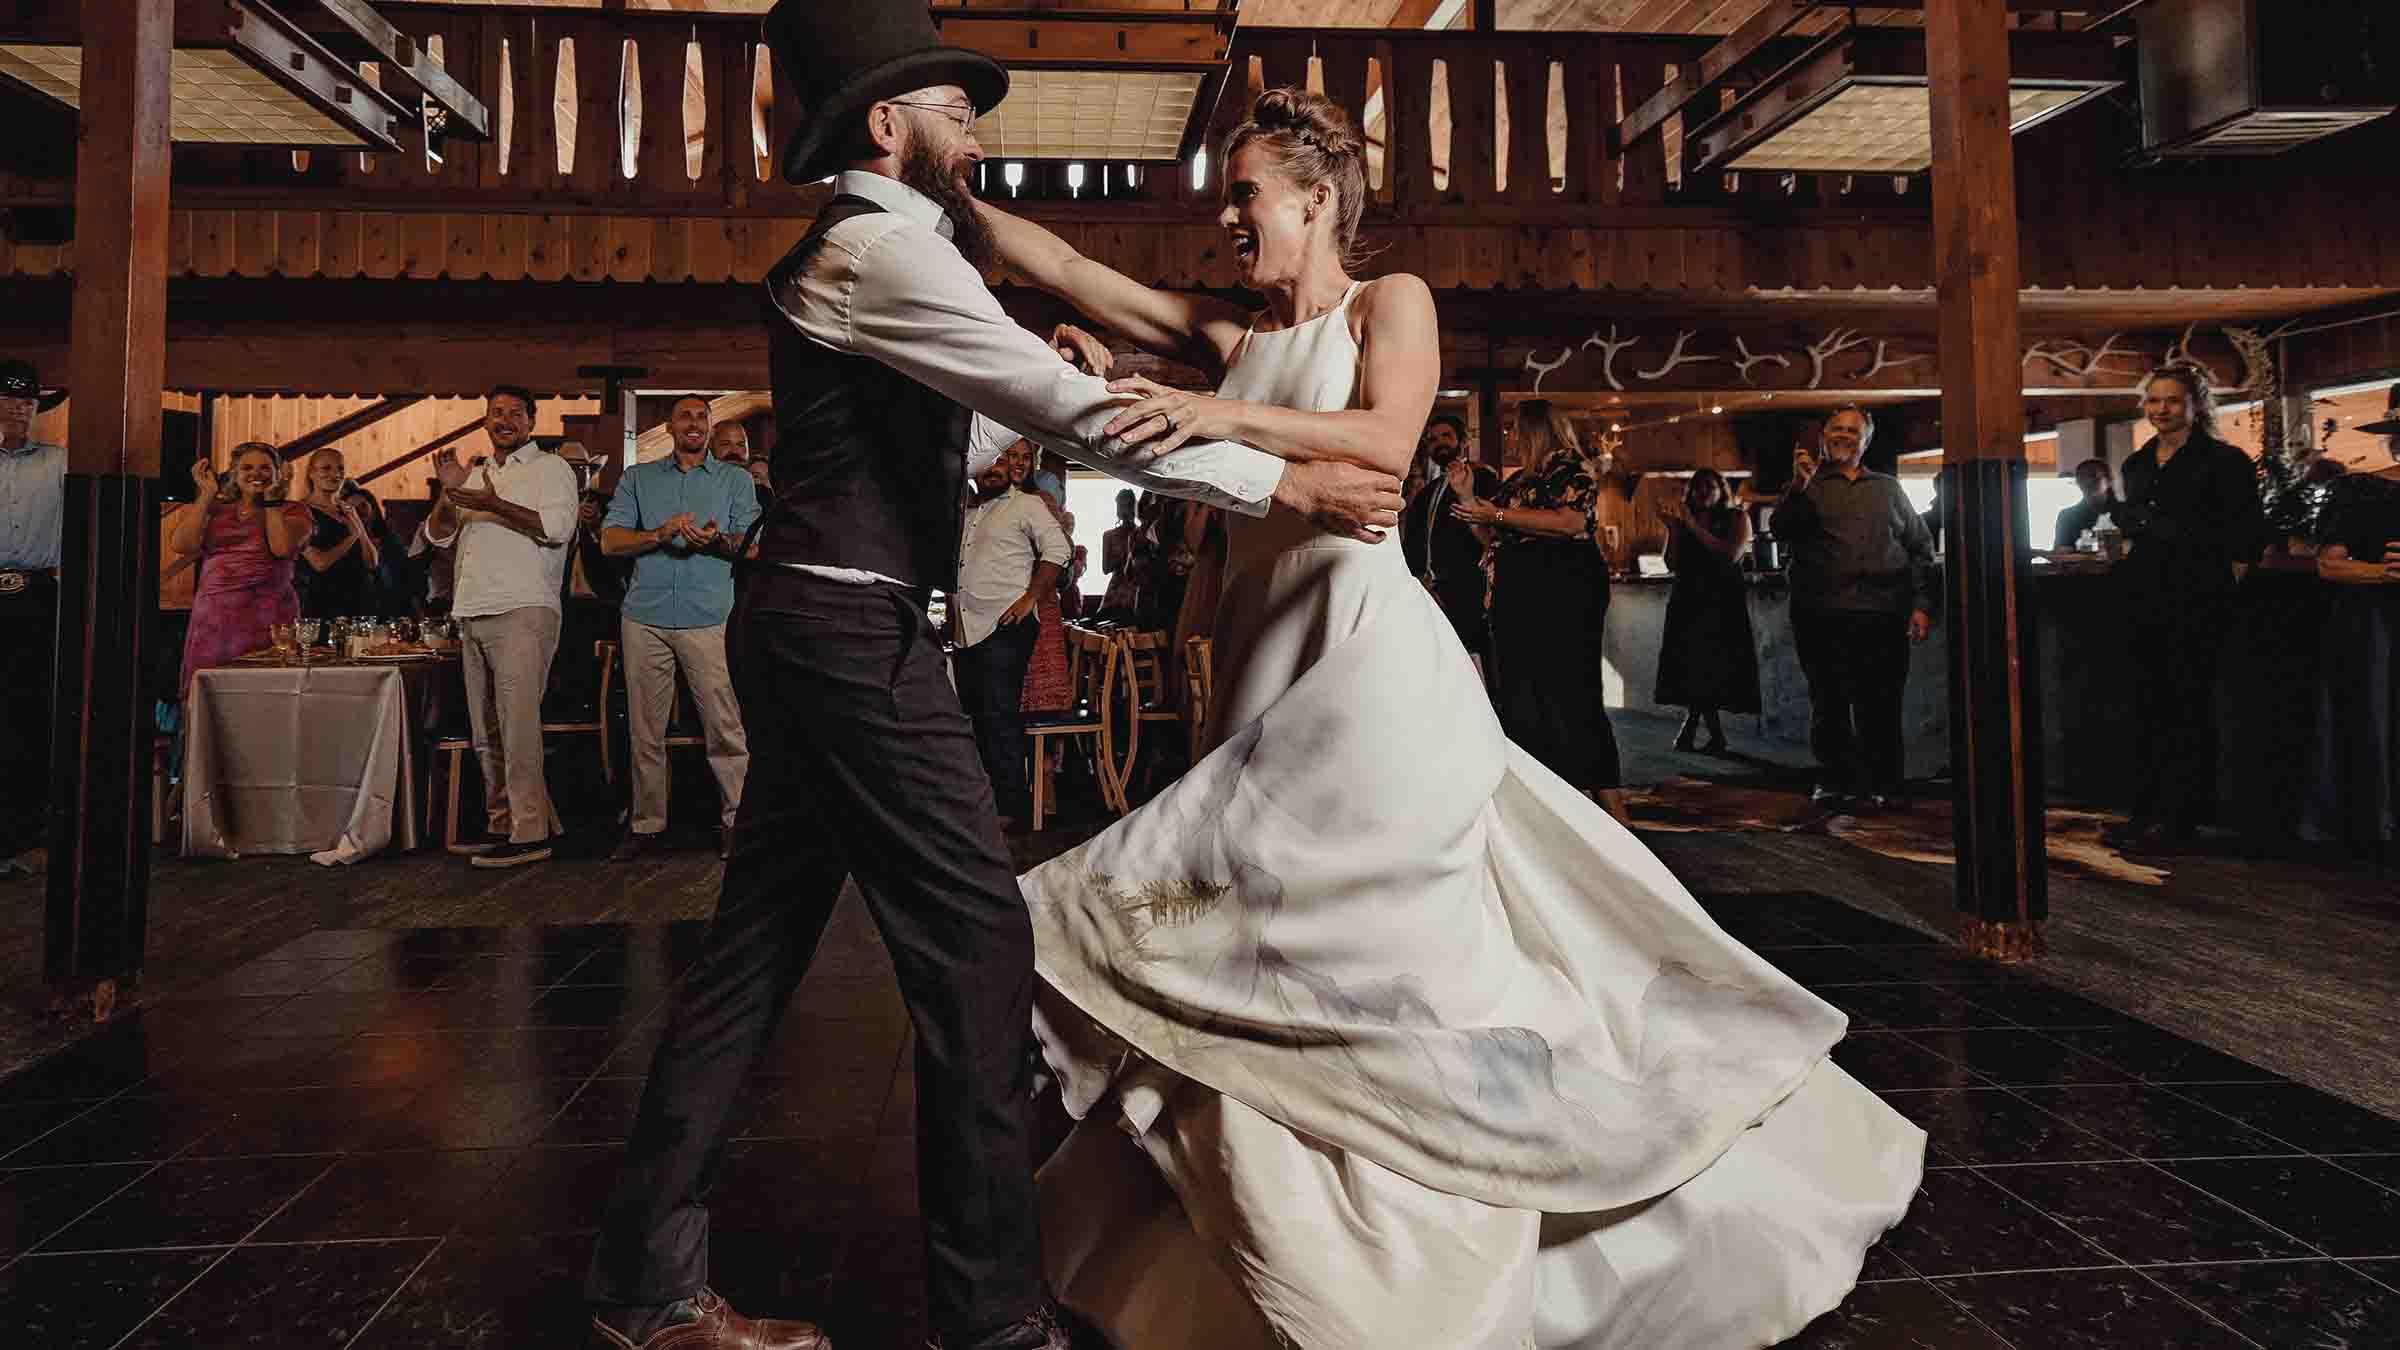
x: 1379, y: 1033
x: 341, y: 552
x: 246, y: 535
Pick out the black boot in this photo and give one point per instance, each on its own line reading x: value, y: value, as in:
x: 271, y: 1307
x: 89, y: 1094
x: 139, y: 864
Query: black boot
x: 1716, y: 735
x: 1691, y: 730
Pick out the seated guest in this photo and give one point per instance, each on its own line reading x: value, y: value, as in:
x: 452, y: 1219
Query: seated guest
x: 511, y: 521
x: 2099, y: 499
x: 247, y: 537
x: 339, y: 559
x: 33, y: 482
x: 680, y: 520
x: 1010, y: 553
x: 2192, y: 513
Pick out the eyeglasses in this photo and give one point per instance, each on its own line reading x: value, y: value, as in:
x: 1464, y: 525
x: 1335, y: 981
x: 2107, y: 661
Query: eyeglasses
x: 965, y: 117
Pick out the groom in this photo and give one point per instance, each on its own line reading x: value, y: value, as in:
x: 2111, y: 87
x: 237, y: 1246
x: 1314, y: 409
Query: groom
x: 896, y: 377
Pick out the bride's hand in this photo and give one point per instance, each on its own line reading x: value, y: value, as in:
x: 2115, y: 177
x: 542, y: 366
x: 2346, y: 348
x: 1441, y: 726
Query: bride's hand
x: 1164, y: 419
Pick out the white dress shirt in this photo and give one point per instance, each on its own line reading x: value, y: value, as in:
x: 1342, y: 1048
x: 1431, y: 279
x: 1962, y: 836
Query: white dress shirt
x: 499, y: 569
x: 1004, y: 537
x: 891, y: 286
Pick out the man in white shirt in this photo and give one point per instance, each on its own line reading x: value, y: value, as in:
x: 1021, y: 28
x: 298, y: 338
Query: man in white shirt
x: 1012, y: 552
x: 510, y: 521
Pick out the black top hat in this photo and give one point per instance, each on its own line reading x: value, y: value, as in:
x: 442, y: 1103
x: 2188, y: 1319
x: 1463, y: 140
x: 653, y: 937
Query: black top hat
x: 18, y: 379
x: 842, y: 56
x: 2390, y: 425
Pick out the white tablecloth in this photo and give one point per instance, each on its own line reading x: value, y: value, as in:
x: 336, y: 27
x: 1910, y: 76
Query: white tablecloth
x: 297, y: 760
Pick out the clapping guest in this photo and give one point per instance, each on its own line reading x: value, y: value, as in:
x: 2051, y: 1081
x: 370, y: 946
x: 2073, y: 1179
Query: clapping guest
x: 341, y: 554
x: 1707, y: 662
x: 1549, y: 604
x: 246, y: 536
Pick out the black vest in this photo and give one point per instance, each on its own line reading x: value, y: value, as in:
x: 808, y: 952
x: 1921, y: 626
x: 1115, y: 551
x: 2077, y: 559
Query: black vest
x: 870, y: 466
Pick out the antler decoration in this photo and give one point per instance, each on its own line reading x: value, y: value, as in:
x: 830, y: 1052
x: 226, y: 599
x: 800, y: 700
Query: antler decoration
x: 1885, y: 362
x: 2078, y: 360
x: 1745, y: 360
x: 1676, y: 358
x: 1832, y: 344
x: 2179, y: 353
x: 2258, y: 366
x: 1541, y: 369
x: 1609, y: 347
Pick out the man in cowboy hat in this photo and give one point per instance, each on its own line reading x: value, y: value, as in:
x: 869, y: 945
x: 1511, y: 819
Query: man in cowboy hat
x: 883, y: 340
x: 33, y: 503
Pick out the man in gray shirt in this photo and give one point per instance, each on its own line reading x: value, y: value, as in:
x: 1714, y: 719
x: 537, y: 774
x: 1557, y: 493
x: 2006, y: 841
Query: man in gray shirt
x: 1862, y: 590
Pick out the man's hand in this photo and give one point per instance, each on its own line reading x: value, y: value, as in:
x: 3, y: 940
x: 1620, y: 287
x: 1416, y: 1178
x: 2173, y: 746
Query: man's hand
x: 1025, y: 608
x: 448, y: 469
x: 1462, y: 479
x: 1804, y: 467
x: 587, y: 514
x: 1920, y: 626
x: 1342, y: 499
x: 2391, y: 560
x: 703, y: 536
x: 1082, y: 350
x: 673, y: 528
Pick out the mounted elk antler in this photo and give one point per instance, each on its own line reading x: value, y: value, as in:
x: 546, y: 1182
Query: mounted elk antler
x: 1609, y: 347
x: 2094, y: 360
x: 1541, y: 369
x: 1745, y: 360
x: 1675, y: 358
x: 2258, y: 363
x: 1831, y: 345
x: 1884, y: 362
x: 2179, y: 353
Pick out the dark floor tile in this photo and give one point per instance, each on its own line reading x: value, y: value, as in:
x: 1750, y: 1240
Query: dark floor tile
x: 1905, y: 1007
x: 2314, y: 1121
x: 842, y: 1102
x: 1942, y: 965
x: 462, y: 1008
x: 2317, y: 1304
x: 268, y: 977
x: 1889, y: 1059
x: 2089, y: 1310
x: 195, y: 1023
x: 125, y: 1129
x: 2152, y: 1122
x: 1762, y: 931
x: 1836, y: 922
x: 800, y: 1199
x: 2013, y: 1057
x: 1988, y: 1125
x: 2037, y: 1005
x: 2309, y: 1198
x: 382, y: 1195
x: 101, y: 1065
x: 302, y: 1120
x: 1961, y: 1224
x: 263, y: 1063
x: 315, y: 1294
x: 504, y: 970
x: 2381, y: 1168
x: 869, y: 999
x: 1882, y: 1264
x: 602, y: 1113
x: 22, y: 1124
x: 36, y: 1203
x: 653, y: 964
x: 549, y: 1190
x: 604, y: 1006
x: 2157, y: 1056
x: 329, y: 942
x: 75, y: 1302
x: 1906, y: 1315
x: 473, y: 1115
x: 2140, y: 1214
x: 192, y: 1204
x: 513, y: 1054
x: 491, y: 1293
x: 1814, y: 966
x: 384, y: 1011
x: 2385, y: 1273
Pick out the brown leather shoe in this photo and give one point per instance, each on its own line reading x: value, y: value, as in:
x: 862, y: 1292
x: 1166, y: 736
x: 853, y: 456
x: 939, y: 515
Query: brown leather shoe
x: 719, y: 1328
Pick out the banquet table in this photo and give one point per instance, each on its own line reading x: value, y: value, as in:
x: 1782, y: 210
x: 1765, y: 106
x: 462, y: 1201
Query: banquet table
x: 302, y: 759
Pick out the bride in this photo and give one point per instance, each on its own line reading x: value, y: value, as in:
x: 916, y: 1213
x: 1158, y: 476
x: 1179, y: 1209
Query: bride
x: 1377, y: 1033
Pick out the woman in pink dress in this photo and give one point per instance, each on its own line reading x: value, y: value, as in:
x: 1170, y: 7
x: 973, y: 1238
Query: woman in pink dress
x: 246, y: 536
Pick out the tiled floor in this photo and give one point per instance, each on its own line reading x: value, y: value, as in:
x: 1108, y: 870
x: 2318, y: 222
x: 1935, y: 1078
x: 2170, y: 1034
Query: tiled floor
x: 401, y: 1138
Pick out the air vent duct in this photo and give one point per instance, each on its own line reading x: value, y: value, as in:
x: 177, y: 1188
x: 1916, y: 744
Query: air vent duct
x: 2259, y: 77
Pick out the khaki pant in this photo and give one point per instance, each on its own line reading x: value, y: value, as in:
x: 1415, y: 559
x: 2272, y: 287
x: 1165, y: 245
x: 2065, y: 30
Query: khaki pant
x: 507, y: 660
x: 652, y: 656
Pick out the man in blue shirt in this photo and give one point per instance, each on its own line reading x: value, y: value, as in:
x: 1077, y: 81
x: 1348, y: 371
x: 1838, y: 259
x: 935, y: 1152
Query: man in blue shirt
x: 33, y: 503
x: 681, y: 519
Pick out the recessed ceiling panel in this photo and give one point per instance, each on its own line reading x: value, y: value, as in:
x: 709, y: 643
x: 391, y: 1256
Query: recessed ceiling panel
x: 218, y: 97
x: 1132, y: 115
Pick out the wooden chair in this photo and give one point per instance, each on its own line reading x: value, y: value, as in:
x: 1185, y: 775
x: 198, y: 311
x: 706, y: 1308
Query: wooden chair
x: 1091, y: 669
x: 605, y: 652
x: 452, y: 750
x: 1199, y: 687
x: 1145, y: 658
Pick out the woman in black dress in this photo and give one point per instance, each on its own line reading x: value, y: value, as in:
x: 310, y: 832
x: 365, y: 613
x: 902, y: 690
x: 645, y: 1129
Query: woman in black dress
x: 2355, y: 798
x: 1706, y: 662
x: 338, y: 560
x: 1550, y: 606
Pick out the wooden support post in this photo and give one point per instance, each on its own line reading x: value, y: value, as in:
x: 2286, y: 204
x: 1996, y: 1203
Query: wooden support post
x: 99, y: 870
x: 1995, y: 725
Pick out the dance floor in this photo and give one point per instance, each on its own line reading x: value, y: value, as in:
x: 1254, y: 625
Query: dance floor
x: 401, y: 1138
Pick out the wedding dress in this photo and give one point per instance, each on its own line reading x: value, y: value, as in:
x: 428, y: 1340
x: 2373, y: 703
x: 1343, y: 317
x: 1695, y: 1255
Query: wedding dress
x: 1379, y: 1035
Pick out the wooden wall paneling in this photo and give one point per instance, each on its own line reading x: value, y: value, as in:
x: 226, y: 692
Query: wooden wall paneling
x: 1485, y: 258
x: 629, y: 248
x: 489, y: 35
x: 424, y: 243
x: 342, y: 251
x: 711, y: 248
x: 599, y: 60
x: 1445, y: 257
x: 179, y: 247
x: 212, y: 243
x: 729, y: 94
x: 253, y: 243
x: 1529, y: 130
x: 660, y: 172
x: 670, y: 248
x: 462, y: 246
x: 549, y: 247
x: 1408, y: 93
x: 379, y: 245
x: 1591, y: 109
x: 1474, y: 158
x: 1345, y: 75
x: 504, y: 246
x: 1643, y: 72
x: 298, y: 243
x: 590, y: 240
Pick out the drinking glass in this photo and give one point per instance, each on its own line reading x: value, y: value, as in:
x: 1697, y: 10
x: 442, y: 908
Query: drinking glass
x: 282, y: 636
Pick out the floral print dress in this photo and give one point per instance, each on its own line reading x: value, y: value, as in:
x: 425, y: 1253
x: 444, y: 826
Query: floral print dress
x: 1549, y: 611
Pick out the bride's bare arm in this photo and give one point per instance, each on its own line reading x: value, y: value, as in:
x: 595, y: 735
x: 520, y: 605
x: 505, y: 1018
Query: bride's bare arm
x: 1400, y: 363
x: 1197, y: 329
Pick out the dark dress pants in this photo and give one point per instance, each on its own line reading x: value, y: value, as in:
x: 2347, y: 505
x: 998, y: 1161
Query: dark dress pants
x: 1856, y: 664
x: 28, y: 647
x: 2176, y: 645
x: 991, y: 682
x: 861, y: 767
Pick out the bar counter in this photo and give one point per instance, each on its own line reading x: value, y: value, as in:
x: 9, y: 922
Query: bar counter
x: 2305, y: 664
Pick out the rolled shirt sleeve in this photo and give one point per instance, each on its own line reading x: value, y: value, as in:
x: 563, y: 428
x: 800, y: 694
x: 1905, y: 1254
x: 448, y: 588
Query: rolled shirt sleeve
x: 554, y: 491
x: 625, y: 508
x: 902, y: 295
x: 741, y: 507
x: 1049, y: 541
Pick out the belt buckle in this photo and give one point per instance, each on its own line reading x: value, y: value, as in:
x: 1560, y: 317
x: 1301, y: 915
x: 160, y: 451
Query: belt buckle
x: 12, y: 582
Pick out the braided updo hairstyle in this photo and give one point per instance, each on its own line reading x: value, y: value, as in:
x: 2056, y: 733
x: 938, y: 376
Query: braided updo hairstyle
x: 1312, y: 141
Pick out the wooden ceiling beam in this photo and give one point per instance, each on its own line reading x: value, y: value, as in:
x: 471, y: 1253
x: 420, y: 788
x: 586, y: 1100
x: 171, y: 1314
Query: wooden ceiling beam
x: 1775, y: 19
x: 348, y: 424
x: 357, y: 25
